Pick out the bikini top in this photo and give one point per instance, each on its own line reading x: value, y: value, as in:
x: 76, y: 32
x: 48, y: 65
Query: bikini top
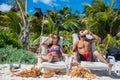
x: 54, y: 49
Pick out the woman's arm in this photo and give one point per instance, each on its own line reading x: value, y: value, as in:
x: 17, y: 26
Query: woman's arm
x: 62, y: 52
x: 44, y: 43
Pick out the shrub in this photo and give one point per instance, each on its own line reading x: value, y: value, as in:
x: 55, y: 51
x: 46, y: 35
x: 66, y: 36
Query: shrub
x: 9, y: 55
x: 108, y: 42
x: 8, y: 39
x: 115, y: 41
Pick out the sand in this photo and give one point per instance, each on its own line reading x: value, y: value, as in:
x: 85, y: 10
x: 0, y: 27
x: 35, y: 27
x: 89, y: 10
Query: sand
x: 6, y: 75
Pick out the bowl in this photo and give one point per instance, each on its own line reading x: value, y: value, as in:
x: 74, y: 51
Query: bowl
x: 15, y: 66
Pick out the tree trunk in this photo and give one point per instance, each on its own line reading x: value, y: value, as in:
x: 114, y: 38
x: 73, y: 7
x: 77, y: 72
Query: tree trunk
x: 25, y: 36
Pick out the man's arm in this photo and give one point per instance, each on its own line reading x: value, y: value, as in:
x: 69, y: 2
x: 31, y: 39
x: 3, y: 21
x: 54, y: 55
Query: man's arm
x: 96, y: 38
x: 74, y: 46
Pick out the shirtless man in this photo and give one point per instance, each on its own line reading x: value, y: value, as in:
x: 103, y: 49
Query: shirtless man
x: 82, y: 48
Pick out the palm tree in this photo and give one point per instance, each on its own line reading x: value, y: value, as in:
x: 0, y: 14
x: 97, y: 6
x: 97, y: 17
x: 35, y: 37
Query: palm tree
x: 69, y: 21
x: 36, y: 26
x: 3, y: 22
x: 34, y: 29
x: 53, y: 19
x: 62, y: 20
x: 10, y: 22
x: 101, y: 18
x: 23, y: 13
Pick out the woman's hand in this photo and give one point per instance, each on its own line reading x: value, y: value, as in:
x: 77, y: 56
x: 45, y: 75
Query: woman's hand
x: 64, y: 54
x: 50, y: 35
x: 39, y: 55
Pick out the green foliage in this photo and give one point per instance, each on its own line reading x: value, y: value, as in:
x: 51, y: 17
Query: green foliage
x: 101, y: 18
x: 11, y: 22
x: 71, y: 23
x: 109, y: 41
x: 52, y: 26
x: 67, y: 50
x: 14, y: 22
x: 67, y: 41
x: 115, y: 41
x: 9, y: 55
x: 8, y: 39
x: 67, y: 46
x: 67, y: 38
x: 105, y: 44
x: 98, y: 17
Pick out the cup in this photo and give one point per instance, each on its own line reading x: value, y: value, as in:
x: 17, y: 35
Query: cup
x: 89, y: 37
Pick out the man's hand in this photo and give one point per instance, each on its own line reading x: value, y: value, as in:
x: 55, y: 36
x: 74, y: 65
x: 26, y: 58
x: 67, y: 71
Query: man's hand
x: 87, y: 32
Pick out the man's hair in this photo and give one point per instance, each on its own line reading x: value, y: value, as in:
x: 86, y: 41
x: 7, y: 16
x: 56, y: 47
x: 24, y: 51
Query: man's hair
x: 79, y: 33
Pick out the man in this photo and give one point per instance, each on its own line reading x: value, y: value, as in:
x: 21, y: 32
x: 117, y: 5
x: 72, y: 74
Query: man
x: 82, y: 49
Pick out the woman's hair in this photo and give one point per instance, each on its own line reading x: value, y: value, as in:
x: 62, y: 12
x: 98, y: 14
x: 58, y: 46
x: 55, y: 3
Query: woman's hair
x: 57, y: 37
x: 57, y: 41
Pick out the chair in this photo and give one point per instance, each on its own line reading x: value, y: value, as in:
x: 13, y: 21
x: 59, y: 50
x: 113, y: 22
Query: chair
x: 62, y: 65
x: 92, y: 65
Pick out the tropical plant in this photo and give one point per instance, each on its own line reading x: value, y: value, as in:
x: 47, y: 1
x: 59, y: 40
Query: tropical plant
x: 8, y: 39
x: 67, y: 41
x: 52, y: 26
x: 11, y: 22
x: 62, y: 20
x: 10, y: 55
x: 87, y: 22
x: 53, y: 22
x: 104, y: 45
x: 3, y: 22
x: 22, y: 5
x: 109, y: 41
x: 101, y: 18
x: 115, y: 41
x: 69, y: 21
x: 34, y: 29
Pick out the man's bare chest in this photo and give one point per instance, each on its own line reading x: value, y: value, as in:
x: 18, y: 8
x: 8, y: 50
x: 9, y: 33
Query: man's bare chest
x: 83, y: 44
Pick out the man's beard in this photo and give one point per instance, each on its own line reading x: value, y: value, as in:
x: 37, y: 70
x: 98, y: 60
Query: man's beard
x: 82, y: 36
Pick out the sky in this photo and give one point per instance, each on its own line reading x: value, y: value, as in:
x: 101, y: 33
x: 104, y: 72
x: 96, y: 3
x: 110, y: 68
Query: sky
x: 53, y: 5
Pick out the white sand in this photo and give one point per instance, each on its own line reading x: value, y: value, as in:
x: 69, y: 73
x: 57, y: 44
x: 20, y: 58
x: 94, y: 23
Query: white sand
x: 5, y: 75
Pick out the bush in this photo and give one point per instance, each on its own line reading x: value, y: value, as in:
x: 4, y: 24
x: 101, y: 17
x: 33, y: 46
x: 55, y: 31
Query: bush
x: 9, y: 55
x: 115, y: 41
x: 108, y: 42
x: 8, y: 39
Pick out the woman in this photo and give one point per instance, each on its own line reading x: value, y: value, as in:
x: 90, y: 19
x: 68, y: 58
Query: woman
x: 55, y: 52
